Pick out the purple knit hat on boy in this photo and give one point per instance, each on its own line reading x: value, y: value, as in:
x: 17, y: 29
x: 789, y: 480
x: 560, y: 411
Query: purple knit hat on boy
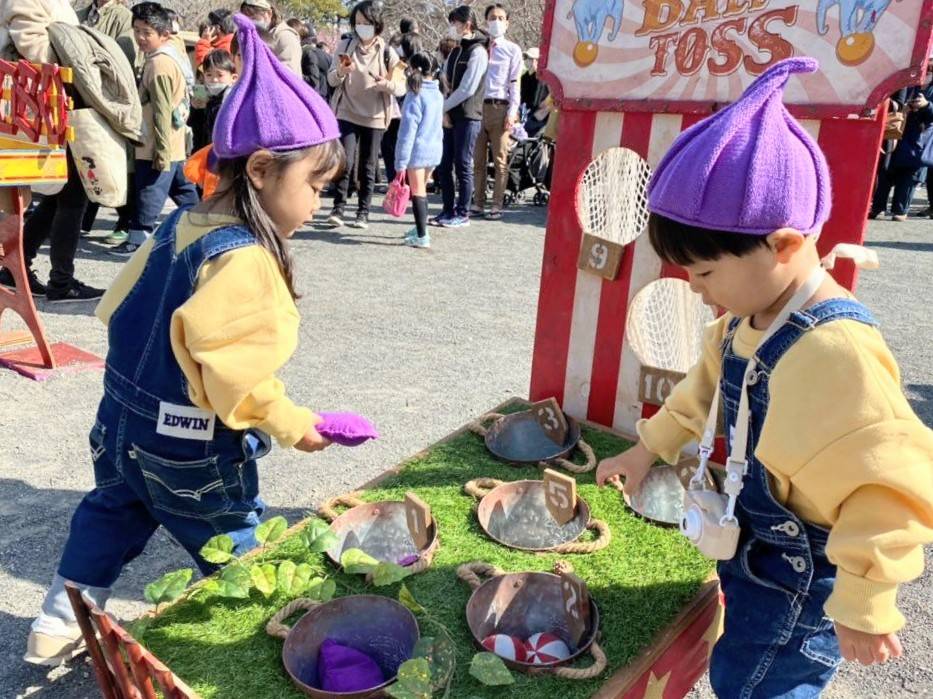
x: 269, y: 106
x: 750, y: 168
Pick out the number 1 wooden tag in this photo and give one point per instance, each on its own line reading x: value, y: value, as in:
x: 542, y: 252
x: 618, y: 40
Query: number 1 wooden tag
x: 418, y: 516
x: 551, y: 418
x: 600, y: 257
x: 576, y: 606
x: 560, y: 496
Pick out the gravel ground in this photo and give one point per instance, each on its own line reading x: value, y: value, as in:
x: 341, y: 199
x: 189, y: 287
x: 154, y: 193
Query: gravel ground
x: 418, y: 341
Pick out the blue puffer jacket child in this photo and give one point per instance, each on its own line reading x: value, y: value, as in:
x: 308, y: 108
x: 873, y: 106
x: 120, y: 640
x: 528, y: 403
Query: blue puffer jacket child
x: 420, y: 134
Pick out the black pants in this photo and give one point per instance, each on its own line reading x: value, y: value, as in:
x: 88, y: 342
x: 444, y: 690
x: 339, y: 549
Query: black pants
x: 58, y: 219
x: 389, y: 141
x: 903, y: 181
x: 362, y: 145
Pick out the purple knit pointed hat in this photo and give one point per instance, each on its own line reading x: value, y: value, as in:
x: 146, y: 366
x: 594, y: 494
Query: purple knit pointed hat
x: 750, y: 168
x: 269, y: 106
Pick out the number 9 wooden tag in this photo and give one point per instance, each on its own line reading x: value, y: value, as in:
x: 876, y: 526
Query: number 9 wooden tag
x: 418, y: 516
x: 600, y: 257
x: 576, y: 606
x: 560, y: 495
x: 551, y: 418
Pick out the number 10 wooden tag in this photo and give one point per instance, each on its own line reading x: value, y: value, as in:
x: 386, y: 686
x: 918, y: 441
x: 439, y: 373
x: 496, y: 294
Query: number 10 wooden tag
x: 600, y: 257
x: 576, y: 606
x: 551, y: 418
x: 418, y: 516
x: 560, y: 496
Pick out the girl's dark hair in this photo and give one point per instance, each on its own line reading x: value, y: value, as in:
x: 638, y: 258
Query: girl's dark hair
x: 373, y: 15
x: 222, y: 20
x: 496, y: 6
x: 683, y: 244
x: 409, y: 45
x: 252, y: 10
x: 421, y: 65
x: 330, y: 156
x: 465, y: 15
x: 218, y: 59
x: 153, y: 14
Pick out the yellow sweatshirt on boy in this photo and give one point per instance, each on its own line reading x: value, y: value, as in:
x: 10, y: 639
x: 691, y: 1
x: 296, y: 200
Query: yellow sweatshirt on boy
x: 236, y: 331
x: 843, y: 450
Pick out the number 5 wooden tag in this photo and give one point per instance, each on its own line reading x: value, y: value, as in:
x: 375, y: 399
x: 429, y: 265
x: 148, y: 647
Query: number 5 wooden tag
x: 600, y: 257
x: 551, y: 418
x: 576, y: 606
x: 560, y: 495
x: 418, y: 516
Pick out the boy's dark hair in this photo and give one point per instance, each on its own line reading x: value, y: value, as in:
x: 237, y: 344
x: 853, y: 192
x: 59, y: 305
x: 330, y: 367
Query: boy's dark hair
x: 496, y: 6
x: 218, y: 59
x: 684, y: 244
x: 153, y: 14
x: 172, y: 17
x: 463, y: 14
x: 407, y: 25
x: 222, y: 20
x: 370, y: 12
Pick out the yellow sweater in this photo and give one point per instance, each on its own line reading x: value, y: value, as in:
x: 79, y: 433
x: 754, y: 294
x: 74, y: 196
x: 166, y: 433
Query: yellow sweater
x: 236, y: 331
x: 843, y: 450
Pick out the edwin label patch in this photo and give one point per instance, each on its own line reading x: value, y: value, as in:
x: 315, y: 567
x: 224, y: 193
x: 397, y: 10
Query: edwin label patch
x: 185, y: 422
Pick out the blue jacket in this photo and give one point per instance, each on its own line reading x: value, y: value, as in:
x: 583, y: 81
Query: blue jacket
x: 917, y: 131
x: 420, y: 134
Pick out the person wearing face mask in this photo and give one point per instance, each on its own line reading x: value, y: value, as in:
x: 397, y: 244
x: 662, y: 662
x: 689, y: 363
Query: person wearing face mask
x: 500, y: 112
x: 218, y: 74
x: 286, y: 44
x: 465, y: 73
x: 367, y: 76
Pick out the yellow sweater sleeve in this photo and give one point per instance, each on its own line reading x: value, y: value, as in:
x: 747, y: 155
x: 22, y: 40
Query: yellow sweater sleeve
x: 231, y: 337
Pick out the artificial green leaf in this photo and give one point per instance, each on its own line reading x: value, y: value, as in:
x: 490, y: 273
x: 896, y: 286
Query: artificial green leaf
x: 271, y: 530
x: 356, y: 561
x: 169, y: 587
x: 218, y: 549
x: 328, y: 590
x: 286, y: 576
x: 263, y: 577
x: 303, y: 575
x: 318, y: 536
x: 489, y: 669
x: 210, y: 586
x: 408, y: 600
x: 235, y: 581
x: 414, y: 680
x: 388, y: 573
x: 441, y: 656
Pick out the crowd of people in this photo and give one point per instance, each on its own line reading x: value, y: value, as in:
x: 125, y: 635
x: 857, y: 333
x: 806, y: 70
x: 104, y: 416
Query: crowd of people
x: 430, y: 116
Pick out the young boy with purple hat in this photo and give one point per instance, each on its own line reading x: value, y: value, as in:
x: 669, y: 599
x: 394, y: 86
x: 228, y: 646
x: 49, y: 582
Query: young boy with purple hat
x: 829, y: 489
x: 199, y: 322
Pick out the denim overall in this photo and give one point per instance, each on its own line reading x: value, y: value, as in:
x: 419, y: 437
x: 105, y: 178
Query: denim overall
x: 778, y: 642
x: 157, y: 458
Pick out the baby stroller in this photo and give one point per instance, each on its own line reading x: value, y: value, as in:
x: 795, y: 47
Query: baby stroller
x: 530, y: 167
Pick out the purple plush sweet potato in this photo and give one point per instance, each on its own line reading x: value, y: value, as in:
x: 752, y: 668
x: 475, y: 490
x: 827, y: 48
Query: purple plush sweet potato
x: 344, y: 669
x: 348, y: 429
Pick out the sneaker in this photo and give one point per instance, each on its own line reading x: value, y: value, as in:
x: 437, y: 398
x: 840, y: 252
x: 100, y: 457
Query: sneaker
x: 117, y: 237
x: 439, y: 220
x: 361, y: 220
x: 78, y: 291
x: 36, y: 288
x: 900, y: 218
x: 125, y: 249
x: 51, y: 651
x: 410, y: 236
x: 336, y: 218
x: 456, y: 222
x: 416, y: 242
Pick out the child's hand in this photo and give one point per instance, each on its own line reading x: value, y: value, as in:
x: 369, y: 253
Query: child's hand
x: 312, y: 441
x: 634, y: 464
x: 868, y: 648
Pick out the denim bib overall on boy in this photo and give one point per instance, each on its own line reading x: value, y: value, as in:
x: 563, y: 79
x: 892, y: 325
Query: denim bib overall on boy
x: 778, y: 642
x: 157, y: 458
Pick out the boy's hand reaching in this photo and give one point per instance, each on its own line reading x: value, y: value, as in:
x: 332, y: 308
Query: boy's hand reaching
x: 634, y: 464
x: 868, y: 648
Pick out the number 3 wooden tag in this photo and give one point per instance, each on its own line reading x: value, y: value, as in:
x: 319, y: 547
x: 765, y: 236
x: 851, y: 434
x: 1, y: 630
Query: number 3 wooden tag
x: 600, y: 257
x: 560, y: 496
x: 551, y: 418
x: 576, y: 606
x: 418, y: 516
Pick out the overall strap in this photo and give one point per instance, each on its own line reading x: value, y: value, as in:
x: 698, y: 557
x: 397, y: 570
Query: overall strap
x: 166, y: 232
x: 216, y: 243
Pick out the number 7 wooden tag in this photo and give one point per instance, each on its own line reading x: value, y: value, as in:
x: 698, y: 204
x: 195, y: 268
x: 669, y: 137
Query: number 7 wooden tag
x: 551, y: 418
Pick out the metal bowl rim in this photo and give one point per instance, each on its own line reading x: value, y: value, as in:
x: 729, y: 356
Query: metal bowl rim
x: 573, y: 428
x: 369, y: 505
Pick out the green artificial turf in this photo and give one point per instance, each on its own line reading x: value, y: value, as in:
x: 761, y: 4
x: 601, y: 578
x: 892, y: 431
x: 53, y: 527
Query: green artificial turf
x: 640, y: 582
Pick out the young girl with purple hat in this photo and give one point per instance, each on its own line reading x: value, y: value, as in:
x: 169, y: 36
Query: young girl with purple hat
x: 199, y: 322
x: 828, y: 496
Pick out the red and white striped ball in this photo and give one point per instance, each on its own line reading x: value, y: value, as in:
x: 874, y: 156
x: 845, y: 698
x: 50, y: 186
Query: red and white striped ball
x: 505, y: 646
x: 546, y: 649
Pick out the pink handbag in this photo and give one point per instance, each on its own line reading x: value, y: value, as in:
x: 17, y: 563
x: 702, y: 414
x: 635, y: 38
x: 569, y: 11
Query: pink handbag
x: 397, y: 197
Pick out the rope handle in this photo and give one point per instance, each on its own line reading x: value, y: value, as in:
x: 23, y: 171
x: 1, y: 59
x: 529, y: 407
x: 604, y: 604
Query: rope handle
x: 276, y: 626
x: 602, y: 540
x: 481, y: 487
x: 570, y: 466
x: 478, y: 426
x: 329, y: 509
x: 470, y: 573
x: 583, y: 673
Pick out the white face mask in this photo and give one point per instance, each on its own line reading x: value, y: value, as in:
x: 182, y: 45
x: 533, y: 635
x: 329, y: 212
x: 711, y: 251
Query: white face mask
x: 453, y: 31
x: 214, y: 89
x: 497, y: 28
x: 365, y: 31
x: 261, y: 24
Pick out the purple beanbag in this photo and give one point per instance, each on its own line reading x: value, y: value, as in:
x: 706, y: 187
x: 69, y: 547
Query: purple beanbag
x: 343, y: 669
x: 348, y: 429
